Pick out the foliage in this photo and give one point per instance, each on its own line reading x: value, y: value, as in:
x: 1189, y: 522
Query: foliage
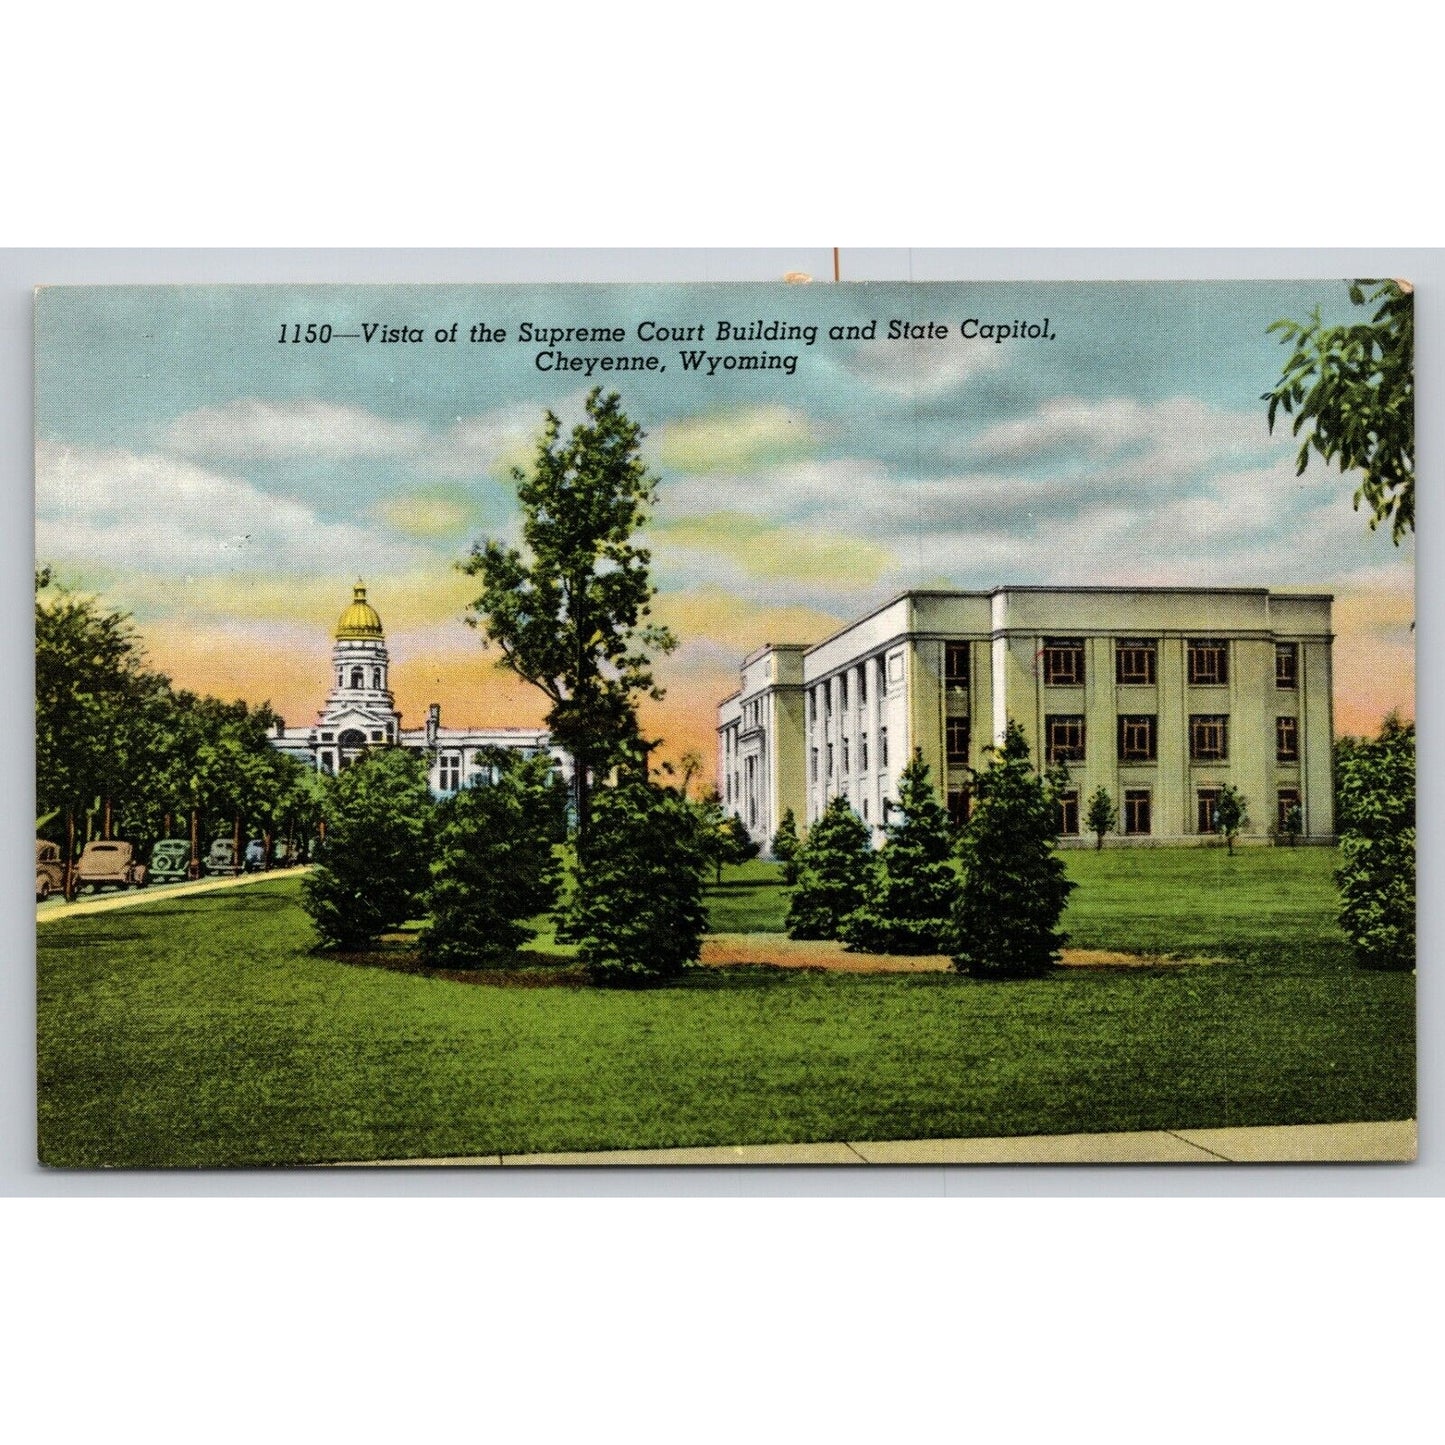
x: 379, y: 814
x: 637, y: 909
x: 834, y: 870
x: 1102, y: 815
x: 724, y: 838
x: 1231, y: 813
x: 495, y: 864
x: 1354, y: 386
x: 1376, y: 876
x: 1014, y: 885
x: 914, y: 889
x: 785, y: 846
x: 570, y: 613
x: 1292, y: 824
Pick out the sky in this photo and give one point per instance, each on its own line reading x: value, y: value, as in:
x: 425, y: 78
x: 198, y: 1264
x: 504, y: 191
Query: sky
x: 228, y: 487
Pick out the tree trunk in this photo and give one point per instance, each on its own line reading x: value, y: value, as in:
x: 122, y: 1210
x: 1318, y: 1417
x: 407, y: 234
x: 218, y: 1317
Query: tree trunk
x: 238, y: 859
x: 68, y: 884
x: 266, y: 836
x: 193, y: 869
x: 105, y: 827
x: 1098, y: 841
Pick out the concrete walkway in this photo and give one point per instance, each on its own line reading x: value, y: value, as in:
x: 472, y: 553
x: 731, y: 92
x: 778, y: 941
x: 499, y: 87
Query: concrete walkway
x: 1376, y: 1143
x: 52, y: 909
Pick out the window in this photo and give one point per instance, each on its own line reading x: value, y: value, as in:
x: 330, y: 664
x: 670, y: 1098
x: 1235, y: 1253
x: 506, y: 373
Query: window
x: 450, y: 776
x: 328, y: 737
x: 1137, y: 821
x: 863, y: 753
x: 1138, y: 741
x: 1288, y: 801
x: 843, y: 692
x: 865, y: 810
x: 1063, y: 662
x: 1286, y: 665
x: 813, y: 766
x: 376, y: 735
x: 828, y: 700
x: 1286, y: 740
x: 1208, y: 810
x: 957, y: 740
x: 1069, y: 812
x: 1209, y: 737
x: 830, y: 762
x: 846, y: 768
x: 882, y: 678
x: 882, y: 747
x: 955, y: 666
x: 1208, y: 663
x: 1135, y: 662
x: 813, y: 705
x: 958, y: 805
x: 863, y: 686
x: 376, y: 678
x: 358, y: 677
x: 1064, y: 739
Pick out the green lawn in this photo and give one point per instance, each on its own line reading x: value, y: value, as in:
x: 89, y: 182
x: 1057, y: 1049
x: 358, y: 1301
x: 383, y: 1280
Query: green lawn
x: 203, y: 1031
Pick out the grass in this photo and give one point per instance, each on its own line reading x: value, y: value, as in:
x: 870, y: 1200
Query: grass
x: 204, y: 1031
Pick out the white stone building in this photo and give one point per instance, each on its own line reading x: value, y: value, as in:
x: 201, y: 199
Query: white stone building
x: 360, y: 713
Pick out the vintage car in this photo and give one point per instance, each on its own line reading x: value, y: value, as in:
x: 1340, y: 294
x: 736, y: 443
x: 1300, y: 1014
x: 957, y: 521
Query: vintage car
x: 49, y: 870
x: 170, y: 860
x: 255, y: 855
x: 222, y: 858
x: 111, y: 864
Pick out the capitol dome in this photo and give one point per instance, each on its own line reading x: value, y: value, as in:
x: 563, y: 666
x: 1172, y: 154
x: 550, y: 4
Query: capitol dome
x: 360, y: 620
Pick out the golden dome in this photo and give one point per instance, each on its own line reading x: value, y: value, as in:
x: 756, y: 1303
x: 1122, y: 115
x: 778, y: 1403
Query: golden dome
x: 359, y: 620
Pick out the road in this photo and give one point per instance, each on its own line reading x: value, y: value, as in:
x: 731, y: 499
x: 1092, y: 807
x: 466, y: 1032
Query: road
x: 56, y: 907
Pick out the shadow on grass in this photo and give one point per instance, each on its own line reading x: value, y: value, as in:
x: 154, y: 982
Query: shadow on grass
x: 397, y: 953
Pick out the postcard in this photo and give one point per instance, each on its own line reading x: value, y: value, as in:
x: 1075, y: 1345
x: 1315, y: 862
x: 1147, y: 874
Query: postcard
x: 834, y: 724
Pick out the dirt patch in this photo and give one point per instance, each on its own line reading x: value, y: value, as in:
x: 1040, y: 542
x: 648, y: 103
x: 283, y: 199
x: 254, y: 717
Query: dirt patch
x: 777, y: 950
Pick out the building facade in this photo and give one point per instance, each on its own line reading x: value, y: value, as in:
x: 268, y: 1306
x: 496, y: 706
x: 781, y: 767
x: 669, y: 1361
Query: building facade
x: 360, y: 713
x: 1159, y: 695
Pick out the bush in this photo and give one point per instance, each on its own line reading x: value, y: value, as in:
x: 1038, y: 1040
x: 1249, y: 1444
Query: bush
x: 378, y: 814
x: 1376, y: 876
x: 1014, y: 886
x: 785, y: 847
x: 495, y: 863
x: 1102, y: 815
x: 637, y: 910
x: 915, y: 887
x: 834, y: 869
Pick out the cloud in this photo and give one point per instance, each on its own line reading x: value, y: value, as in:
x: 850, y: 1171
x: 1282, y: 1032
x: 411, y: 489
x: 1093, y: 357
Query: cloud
x: 923, y: 368
x: 253, y: 430
x: 163, y: 514
x: 763, y: 549
x: 740, y: 439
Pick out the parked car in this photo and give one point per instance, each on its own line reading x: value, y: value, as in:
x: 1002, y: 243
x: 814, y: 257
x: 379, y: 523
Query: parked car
x: 49, y: 870
x: 112, y: 864
x: 255, y: 855
x: 222, y: 858
x: 284, y: 854
x: 170, y: 860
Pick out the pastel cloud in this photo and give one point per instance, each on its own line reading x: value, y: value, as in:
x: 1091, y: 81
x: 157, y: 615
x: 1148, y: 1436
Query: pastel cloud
x: 764, y: 549
x: 923, y: 368
x: 741, y: 439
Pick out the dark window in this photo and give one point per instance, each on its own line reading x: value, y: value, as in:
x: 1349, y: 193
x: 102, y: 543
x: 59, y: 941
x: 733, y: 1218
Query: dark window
x: 1135, y: 661
x: 1286, y: 665
x: 813, y: 766
x: 450, y: 777
x: 1137, y: 821
x: 955, y: 665
x: 1208, y: 663
x: 1288, y: 801
x: 376, y: 735
x: 828, y: 699
x: 846, y: 768
x: 863, y: 686
x: 376, y: 678
x: 863, y: 753
x: 358, y: 678
x: 1063, y: 662
x: 1209, y: 737
x: 882, y: 677
x: 1064, y: 739
x: 843, y: 691
x: 882, y: 747
x: 957, y: 740
x: 1208, y: 810
x: 958, y: 805
x: 1069, y: 812
x: 1137, y: 738
x: 1286, y: 740
x: 813, y: 705
x: 327, y: 737
x: 830, y: 762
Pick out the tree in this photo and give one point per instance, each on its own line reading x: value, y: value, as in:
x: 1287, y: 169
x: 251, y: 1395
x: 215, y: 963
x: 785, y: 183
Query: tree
x: 835, y: 868
x: 569, y: 613
x: 375, y: 866
x: 1231, y: 814
x: 723, y: 839
x: 1102, y: 815
x: 1376, y: 875
x: 785, y: 847
x: 1006, y: 923
x: 915, y: 887
x: 495, y: 865
x: 637, y: 909
x: 1354, y: 388
x: 1292, y: 824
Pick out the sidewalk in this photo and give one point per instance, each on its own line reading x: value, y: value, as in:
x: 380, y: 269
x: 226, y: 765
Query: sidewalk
x: 1376, y: 1143
x: 153, y: 893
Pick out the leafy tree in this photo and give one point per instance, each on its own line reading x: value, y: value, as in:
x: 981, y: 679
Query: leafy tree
x: 495, y: 864
x: 1354, y: 388
x: 1102, y: 815
x: 1231, y: 814
x: 570, y: 612
x: 1292, y: 824
x: 915, y: 887
x: 835, y: 870
x: 1376, y: 876
x: 379, y: 814
x: 1006, y: 923
x: 785, y: 847
x: 637, y: 909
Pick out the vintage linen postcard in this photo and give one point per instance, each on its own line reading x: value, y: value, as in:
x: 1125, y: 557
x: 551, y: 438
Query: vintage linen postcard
x: 713, y: 724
